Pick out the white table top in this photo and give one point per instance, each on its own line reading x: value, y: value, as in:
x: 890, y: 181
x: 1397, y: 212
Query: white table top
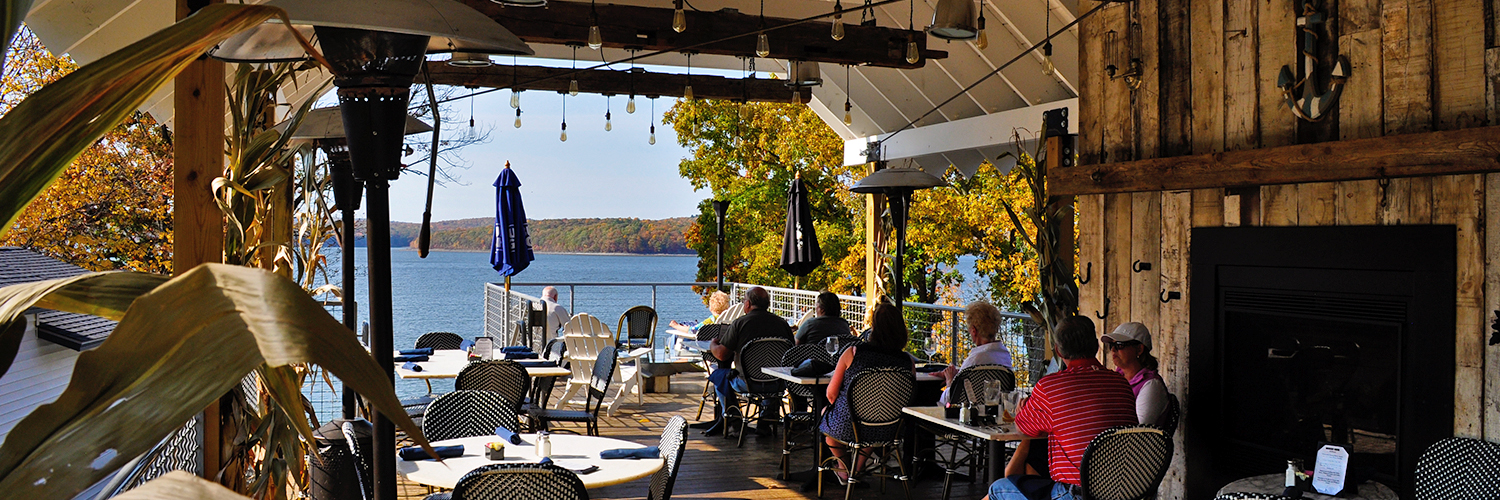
x: 1275, y: 483
x: 446, y: 363
x: 785, y: 373
x: 568, y: 451
x: 935, y: 415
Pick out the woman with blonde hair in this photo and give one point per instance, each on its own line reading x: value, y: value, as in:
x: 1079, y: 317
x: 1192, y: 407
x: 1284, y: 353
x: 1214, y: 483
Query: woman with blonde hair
x: 718, y: 302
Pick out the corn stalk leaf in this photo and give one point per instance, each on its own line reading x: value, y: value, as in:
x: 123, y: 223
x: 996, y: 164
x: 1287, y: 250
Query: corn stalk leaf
x: 177, y: 349
x: 179, y: 485
x: 106, y: 295
x: 73, y: 112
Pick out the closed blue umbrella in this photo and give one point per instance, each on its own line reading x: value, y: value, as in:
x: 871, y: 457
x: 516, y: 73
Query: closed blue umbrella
x: 510, y: 247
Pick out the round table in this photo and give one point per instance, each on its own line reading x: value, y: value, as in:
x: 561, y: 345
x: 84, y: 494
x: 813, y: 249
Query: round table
x: 1276, y: 483
x: 568, y: 451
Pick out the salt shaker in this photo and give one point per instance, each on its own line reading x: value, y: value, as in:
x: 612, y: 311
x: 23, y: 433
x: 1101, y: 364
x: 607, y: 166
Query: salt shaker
x: 543, y: 445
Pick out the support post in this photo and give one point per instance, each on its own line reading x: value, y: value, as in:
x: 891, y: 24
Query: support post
x: 198, y: 157
x: 720, y: 207
x: 874, y: 234
x: 378, y: 246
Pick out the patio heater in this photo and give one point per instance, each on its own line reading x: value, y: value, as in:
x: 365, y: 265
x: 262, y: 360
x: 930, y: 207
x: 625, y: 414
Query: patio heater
x: 324, y: 129
x: 720, y: 206
x: 897, y: 184
x: 375, y: 48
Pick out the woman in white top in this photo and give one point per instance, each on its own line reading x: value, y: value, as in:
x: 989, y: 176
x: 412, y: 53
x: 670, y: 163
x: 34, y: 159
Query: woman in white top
x: 1130, y: 351
x: 984, y: 329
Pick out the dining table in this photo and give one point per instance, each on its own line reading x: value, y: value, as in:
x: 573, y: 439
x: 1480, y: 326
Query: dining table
x: 1275, y: 484
x: 569, y: 451
x: 446, y: 363
x: 996, y: 435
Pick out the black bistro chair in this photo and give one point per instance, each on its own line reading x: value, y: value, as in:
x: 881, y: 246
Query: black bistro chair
x: 439, y: 340
x: 520, y: 481
x: 799, y: 429
x: 1459, y: 469
x: 638, y: 326
x: 604, y: 372
x: 1126, y: 463
x: 1174, y: 415
x: 965, y: 450
x: 876, y: 397
x: 505, y: 377
x: 461, y: 414
x: 764, y: 391
x: 673, y: 441
x: 707, y: 333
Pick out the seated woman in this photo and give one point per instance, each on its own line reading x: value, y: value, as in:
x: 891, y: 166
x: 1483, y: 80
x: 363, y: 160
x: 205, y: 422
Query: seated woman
x: 1130, y: 351
x: 717, y: 303
x: 983, y: 319
x: 888, y: 337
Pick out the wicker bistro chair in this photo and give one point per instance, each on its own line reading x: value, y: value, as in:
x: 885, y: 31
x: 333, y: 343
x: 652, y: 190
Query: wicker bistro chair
x: 673, y: 441
x: 963, y: 449
x: 440, y: 340
x: 1174, y: 415
x: 520, y: 481
x: 604, y: 372
x: 876, y: 397
x: 638, y: 326
x: 1126, y: 463
x: 505, y: 377
x: 461, y: 414
x: 763, y: 390
x: 541, y: 387
x: 806, y: 421
x: 1459, y: 469
x: 707, y: 333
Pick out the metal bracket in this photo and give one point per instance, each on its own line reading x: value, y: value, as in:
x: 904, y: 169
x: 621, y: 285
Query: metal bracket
x: 1139, y: 266
x: 1106, y: 310
x: 1088, y: 274
x: 1169, y: 296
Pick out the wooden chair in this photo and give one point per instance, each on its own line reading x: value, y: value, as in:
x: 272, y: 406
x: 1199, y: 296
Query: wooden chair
x: 584, y: 336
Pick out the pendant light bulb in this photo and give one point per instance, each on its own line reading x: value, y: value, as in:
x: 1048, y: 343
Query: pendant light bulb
x: 652, y: 140
x: 564, y: 136
x: 763, y: 45
x: 471, y: 122
x: 630, y: 105
x: 1047, y: 67
x: 848, y: 118
x: 595, y: 40
x: 607, y: 126
x: 515, y: 99
x: 518, y: 118
x: 983, y: 41
x: 838, y: 22
x: 573, y: 87
x: 679, y: 18
x: 912, y: 54
x: 687, y: 92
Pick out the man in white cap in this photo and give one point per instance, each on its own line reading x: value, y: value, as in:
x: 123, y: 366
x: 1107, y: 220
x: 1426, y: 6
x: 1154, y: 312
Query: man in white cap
x: 1130, y: 351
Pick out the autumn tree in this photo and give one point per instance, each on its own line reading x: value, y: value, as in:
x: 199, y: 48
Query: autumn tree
x: 110, y: 209
x: 967, y: 217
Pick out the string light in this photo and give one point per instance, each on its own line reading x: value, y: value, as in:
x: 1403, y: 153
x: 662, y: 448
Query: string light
x: 687, y: 91
x: 630, y: 104
x: 848, y: 89
x: 471, y: 107
x: 564, y: 136
x: 982, y: 42
x: 838, y: 21
x: 762, y: 42
x: 912, y: 54
x: 652, y: 141
x: 515, y: 91
x: 573, y: 83
x: 1047, y: 67
x: 595, y: 40
x: 607, y: 126
x: 679, y: 18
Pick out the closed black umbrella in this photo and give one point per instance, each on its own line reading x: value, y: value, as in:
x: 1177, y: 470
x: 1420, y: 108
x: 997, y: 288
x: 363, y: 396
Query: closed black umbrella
x: 799, y: 248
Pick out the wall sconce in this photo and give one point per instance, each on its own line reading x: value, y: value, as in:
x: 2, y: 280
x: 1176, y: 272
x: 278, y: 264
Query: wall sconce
x: 1116, y: 47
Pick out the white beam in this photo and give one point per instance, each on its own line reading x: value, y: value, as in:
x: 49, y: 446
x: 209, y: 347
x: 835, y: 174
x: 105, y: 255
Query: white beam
x: 967, y: 141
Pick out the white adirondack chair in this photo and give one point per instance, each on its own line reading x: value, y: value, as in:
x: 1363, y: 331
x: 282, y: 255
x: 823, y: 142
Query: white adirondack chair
x: 585, y: 336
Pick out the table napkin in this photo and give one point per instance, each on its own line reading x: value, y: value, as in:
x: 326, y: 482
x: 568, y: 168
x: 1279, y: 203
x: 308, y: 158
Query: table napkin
x: 411, y: 453
x: 508, y: 435
x: 466, y: 345
x: 515, y: 348
x: 412, y: 366
x: 631, y: 453
x: 409, y: 357
x: 538, y: 364
x: 520, y: 355
x: 425, y: 351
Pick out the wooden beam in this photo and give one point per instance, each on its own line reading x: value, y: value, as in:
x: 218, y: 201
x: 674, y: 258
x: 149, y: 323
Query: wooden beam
x: 1464, y: 151
x: 650, y: 29
x: 610, y: 82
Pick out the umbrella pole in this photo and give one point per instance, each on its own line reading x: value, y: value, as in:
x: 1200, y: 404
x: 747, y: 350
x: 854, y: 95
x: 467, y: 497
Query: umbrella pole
x: 351, y: 313
x: 899, y: 214
x: 378, y: 246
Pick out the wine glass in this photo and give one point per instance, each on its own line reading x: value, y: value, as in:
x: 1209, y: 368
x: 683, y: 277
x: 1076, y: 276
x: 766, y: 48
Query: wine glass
x: 931, y: 347
x: 831, y: 344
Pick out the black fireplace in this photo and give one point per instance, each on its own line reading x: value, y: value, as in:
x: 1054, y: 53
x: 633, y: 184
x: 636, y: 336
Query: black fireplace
x: 1302, y: 335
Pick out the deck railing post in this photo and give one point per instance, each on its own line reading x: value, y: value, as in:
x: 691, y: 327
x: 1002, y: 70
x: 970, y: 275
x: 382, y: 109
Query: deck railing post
x: 653, y: 297
x: 953, y: 337
x: 572, y: 298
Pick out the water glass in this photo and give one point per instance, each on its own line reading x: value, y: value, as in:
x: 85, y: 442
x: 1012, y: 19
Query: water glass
x: 992, y: 392
x: 931, y: 347
x: 831, y: 344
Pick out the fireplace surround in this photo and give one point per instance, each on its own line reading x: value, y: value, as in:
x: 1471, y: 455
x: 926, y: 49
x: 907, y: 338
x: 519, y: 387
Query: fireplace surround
x: 1302, y: 335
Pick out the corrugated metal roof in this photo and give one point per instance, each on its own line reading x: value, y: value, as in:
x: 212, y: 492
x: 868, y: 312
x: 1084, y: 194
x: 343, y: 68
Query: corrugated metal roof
x: 71, y: 330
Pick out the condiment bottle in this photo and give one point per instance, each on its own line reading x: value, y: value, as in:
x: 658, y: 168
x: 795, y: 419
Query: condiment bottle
x: 543, y: 445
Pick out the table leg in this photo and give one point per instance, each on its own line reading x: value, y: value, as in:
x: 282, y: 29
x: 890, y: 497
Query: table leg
x: 996, y: 469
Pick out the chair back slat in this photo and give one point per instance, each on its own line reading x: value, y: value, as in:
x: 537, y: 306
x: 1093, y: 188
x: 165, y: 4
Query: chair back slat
x: 1126, y: 462
x: 711, y: 331
x: 439, y: 340
x: 506, y: 377
x: 460, y: 414
x: 876, y: 397
x: 520, y: 481
x: 1458, y: 469
x: 976, y: 376
x: 673, y: 441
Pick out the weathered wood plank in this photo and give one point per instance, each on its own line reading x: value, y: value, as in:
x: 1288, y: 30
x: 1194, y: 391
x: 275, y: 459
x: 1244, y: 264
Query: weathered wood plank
x: 1176, y: 94
x: 1317, y: 203
x: 1241, y: 104
x: 1207, y: 21
x: 1145, y: 240
x: 1091, y: 87
x: 609, y: 82
x: 1171, y: 339
x: 1091, y: 264
x: 1117, y: 256
x: 1360, y: 107
x: 1147, y: 97
x: 1208, y: 207
x: 1472, y: 150
x: 1420, y: 191
x: 1395, y: 201
x: 1279, y: 205
x: 1278, y: 126
x: 1459, y: 200
x: 1119, y: 112
x: 1491, y: 403
x: 1406, y: 48
x: 1492, y: 84
x: 1459, y: 63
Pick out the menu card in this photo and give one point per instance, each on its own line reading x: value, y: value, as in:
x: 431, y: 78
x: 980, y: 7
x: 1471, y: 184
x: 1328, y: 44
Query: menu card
x: 1330, y: 469
x: 484, y: 347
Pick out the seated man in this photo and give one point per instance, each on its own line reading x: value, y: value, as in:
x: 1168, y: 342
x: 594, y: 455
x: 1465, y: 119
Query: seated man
x: 756, y: 323
x: 826, y: 323
x: 1069, y: 407
x: 984, y: 329
x: 557, y: 315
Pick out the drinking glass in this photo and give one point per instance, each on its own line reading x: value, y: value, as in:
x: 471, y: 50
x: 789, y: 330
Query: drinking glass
x: 992, y: 392
x: 1009, y: 401
x: 931, y: 347
x: 831, y: 344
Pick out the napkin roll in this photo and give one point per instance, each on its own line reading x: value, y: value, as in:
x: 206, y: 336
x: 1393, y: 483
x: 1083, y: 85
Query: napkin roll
x: 411, y: 453
x: 412, y: 366
x: 508, y: 435
x: 631, y: 453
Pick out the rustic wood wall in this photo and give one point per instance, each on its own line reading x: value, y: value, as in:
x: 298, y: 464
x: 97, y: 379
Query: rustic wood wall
x: 1209, y: 85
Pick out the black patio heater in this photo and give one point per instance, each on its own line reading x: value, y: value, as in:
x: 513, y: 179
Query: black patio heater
x: 897, y: 184
x: 324, y: 129
x: 375, y: 48
x: 720, y: 206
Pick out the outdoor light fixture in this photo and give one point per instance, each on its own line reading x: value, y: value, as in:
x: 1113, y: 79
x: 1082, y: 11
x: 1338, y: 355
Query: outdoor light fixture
x: 687, y: 90
x: 1048, y: 68
x: 679, y: 17
x: 652, y: 140
x: 470, y: 60
x: 981, y: 41
x: 912, y: 55
x: 374, y: 48
x: 953, y: 20
x: 517, y: 124
x: 838, y: 21
x: 564, y: 136
x: 763, y: 42
x: 897, y: 183
x: 595, y: 40
x: 573, y: 81
x: 848, y: 89
x: 607, y: 126
x: 803, y: 74
x: 630, y: 103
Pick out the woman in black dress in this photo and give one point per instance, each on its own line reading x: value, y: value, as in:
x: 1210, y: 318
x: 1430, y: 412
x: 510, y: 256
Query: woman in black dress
x: 884, y: 348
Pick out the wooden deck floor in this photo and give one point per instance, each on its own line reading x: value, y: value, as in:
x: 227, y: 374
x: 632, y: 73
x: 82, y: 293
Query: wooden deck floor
x: 713, y: 468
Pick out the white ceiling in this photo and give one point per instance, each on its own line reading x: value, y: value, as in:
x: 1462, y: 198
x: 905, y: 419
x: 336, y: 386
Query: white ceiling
x: 884, y: 99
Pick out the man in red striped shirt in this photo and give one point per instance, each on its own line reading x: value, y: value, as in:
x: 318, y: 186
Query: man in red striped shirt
x: 1069, y: 408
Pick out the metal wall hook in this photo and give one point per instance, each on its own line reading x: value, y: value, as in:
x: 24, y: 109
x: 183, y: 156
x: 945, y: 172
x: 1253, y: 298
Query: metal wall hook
x: 1088, y: 274
x: 1106, y: 310
x: 1139, y: 266
x: 1169, y: 296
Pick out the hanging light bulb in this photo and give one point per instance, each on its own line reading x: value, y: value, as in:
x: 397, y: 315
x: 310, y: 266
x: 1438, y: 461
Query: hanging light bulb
x: 848, y: 118
x: 471, y: 121
x: 763, y: 45
x: 607, y: 126
x: 1047, y: 67
x: 573, y: 87
x: 679, y: 18
x: 848, y: 89
x: 838, y: 21
x: 515, y: 99
x: 595, y: 40
x: 982, y: 42
x: 630, y: 105
x: 687, y: 92
x: 564, y: 136
x: 796, y: 95
x: 912, y: 54
x: 573, y: 82
x: 652, y: 140
x: 518, y: 118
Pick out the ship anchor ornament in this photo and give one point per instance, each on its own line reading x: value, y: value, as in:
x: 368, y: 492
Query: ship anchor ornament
x: 1316, y: 107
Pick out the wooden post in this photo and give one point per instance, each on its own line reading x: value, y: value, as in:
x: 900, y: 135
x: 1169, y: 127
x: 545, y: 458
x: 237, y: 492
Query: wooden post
x: 198, y: 157
x: 874, y: 206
